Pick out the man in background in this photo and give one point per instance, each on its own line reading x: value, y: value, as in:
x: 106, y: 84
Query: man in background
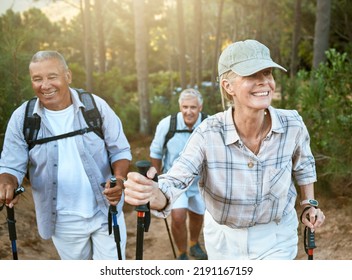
x: 162, y: 157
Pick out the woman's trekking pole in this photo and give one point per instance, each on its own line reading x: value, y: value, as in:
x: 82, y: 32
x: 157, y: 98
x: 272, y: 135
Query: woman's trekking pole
x: 309, y: 242
x: 11, y: 224
x: 143, y: 167
x: 113, y: 216
x: 143, y: 212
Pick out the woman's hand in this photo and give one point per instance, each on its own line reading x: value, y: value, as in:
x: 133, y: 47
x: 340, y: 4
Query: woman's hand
x: 140, y: 190
x: 312, y: 217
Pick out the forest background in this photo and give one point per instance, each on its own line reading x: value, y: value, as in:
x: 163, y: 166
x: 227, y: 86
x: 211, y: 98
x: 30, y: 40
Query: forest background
x: 139, y: 54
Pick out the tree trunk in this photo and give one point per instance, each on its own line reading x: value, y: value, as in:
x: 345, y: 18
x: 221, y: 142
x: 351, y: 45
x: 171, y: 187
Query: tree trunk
x: 140, y: 32
x: 100, y: 33
x: 181, y: 44
x: 261, y: 16
x: 192, y: 48
x: 198, y: 42
x: 321, y: 32
x: 88, y: 50
x: 217, y: 45
x: 296, y: 36
x: 196, y: 46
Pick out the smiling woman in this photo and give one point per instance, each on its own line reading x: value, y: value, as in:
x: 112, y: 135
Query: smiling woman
x: 246, y: 176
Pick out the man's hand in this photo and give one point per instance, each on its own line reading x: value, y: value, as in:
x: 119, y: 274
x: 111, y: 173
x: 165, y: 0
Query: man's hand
x: 8, y: 185
x: 113, y: 194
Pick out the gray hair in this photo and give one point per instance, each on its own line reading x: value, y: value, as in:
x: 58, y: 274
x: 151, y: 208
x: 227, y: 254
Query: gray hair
x: 47, y: 55
x: 190, y: 92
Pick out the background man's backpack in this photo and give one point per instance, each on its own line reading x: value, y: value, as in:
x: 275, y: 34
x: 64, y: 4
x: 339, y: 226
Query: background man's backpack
x: 173, y: 125
x: 91, y: 115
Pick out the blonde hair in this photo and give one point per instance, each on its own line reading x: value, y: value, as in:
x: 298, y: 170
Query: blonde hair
x: 229, y: 75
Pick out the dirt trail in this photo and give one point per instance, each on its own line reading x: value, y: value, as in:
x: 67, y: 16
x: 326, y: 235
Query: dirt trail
x: 334, y: 240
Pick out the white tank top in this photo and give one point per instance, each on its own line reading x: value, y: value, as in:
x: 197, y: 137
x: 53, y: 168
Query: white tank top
x: 75, y: 195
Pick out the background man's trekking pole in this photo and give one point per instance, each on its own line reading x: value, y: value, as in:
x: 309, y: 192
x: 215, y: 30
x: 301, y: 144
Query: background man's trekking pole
x: 113, y: 216
x: 11, y: 224
x: 170, y: 238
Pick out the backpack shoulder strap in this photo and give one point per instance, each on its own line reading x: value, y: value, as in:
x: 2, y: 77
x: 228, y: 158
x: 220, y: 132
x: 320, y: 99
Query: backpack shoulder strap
x: 31, y: 124
x: 91, y: 113
x: 172, y: 129
x: 173, y: 126
x: 203, y: 116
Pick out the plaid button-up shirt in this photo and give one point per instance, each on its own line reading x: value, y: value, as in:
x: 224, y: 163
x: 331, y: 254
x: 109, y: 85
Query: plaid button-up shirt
x: 236, y: 194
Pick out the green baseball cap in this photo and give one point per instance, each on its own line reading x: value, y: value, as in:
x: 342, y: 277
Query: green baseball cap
x: 246, y: 58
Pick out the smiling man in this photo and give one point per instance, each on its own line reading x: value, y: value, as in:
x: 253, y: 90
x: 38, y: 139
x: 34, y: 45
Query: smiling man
x: 189, y: 206
x: 66, y: 172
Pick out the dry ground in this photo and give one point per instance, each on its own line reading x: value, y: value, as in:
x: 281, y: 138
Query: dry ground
x: 334, y: 240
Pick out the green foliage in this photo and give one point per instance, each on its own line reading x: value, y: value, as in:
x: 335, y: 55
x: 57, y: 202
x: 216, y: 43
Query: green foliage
x: 325, y: 101
x: 163, y: 95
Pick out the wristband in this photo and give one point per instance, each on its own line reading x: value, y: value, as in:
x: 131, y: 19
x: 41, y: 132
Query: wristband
x: 311, y: 202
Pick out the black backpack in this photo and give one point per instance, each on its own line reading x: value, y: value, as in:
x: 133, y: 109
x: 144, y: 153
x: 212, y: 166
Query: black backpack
x: 173, y: 130
x: 31, y: 124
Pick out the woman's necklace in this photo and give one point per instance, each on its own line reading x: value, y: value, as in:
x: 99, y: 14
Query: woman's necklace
x: 257, y: 147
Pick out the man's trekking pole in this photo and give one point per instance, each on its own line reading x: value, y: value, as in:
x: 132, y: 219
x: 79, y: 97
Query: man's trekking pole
x: 170, y: 238
x: 309, y: 242
x: 11, y: 224
x: 113, y: 216
x: 143, y: 212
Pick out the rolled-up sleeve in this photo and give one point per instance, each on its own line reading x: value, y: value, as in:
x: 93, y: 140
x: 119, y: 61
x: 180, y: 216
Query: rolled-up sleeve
x: 14, y: 156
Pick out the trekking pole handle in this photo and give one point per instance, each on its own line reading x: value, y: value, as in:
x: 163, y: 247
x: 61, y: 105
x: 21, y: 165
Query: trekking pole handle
x: 112, y: 181
x: 311, y: 239
x: 143, y: 167
x: 113, y: 184
x: 20, y: 189
x: 310, y: 243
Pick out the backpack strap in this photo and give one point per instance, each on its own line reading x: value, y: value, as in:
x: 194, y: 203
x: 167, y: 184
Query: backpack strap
x: 173, y: 130
x: 203, y: 116
x: 91, y: 113
x: 64, y: 135
x: 31, y: 124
